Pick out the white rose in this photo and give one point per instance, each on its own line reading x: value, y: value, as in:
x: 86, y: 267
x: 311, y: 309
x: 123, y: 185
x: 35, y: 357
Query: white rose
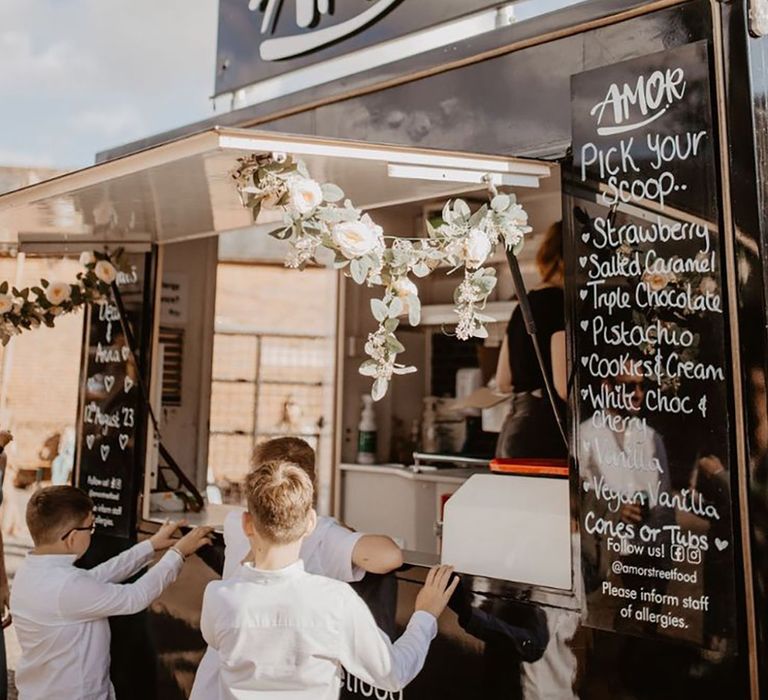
x: 477, y: 248
x: 58, y: 293
x: 6, y: 303
x: 403, y: 287
x: 357, y: 238
x: 86, y: 258
x: 305, y: 194
x: 105, y: 271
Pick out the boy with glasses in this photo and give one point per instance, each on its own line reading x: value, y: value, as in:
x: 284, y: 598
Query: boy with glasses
x: 60, y: 612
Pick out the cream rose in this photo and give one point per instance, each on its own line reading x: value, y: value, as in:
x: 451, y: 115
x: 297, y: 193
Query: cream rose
x: 357, y: 238
x: 305, y: 194
x: 86, y: 258
x: 477, y: 248
x: 58, y: 293
x: 105, y: 271
x: 708, y: 285
x: 656, y: 281
x: 6, y: 303
x: 403, y: 287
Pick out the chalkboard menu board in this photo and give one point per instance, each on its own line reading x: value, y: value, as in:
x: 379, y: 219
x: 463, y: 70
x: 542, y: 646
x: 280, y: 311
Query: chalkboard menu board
x: 112, y: 415
x: 647, y: 330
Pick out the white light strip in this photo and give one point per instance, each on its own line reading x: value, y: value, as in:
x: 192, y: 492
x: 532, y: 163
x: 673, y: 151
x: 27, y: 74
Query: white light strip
x: 301, y: 147
x: 387, y: 52
x: 474, y: 177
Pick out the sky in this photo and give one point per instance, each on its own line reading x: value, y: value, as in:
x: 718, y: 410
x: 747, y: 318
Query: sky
x: 79, y: 76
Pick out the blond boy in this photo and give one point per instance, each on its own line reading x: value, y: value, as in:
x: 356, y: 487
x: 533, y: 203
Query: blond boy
x: 60, y: 612
x: 281, y: 631
x: 330, y: 550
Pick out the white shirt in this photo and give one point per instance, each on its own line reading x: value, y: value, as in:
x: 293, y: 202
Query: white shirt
x: 326, y: 552
x: 287, y: 633
x: 60, y: 614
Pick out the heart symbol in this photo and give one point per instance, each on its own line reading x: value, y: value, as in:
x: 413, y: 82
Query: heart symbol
x: 586, y: 486
x: 582, y: 260
x: 104, y: 452
x: 585, y: 237
x: 125, y: 351
x: 127, y: 384
x: 109, y: 382
x: 584, y: 325
x: 123, y: 440
x: 583, y: 293
x: 89, y: 440
x: 584, y: 393
x: 720, y: 544
x: 584, y: 361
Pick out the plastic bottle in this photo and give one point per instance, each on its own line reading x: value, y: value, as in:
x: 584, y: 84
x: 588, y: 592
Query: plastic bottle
x: 366, y: 436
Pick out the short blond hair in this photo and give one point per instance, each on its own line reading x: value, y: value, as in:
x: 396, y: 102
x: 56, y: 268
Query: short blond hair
x: 285, y: 449
x: 279, y: 496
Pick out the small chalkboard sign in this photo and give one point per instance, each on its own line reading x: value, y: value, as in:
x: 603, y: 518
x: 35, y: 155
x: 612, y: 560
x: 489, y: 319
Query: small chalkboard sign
x: 113, y: 418
x: 645, y: 295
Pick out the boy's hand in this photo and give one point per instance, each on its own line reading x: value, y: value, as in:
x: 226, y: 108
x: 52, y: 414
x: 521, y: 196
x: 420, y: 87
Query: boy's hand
x: 163, y: 538
x: 437, y: 590
x: 193, y: 540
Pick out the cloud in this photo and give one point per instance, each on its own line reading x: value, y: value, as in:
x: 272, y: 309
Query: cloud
x: 84, y: 75
x: 109, y: 121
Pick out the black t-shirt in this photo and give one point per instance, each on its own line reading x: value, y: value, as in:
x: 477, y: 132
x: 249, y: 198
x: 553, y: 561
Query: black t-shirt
x: 548, y: 309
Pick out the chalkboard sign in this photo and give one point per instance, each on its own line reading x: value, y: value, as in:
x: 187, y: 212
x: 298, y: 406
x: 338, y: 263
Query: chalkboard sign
x: 112, y: 414
x: 647, y: 331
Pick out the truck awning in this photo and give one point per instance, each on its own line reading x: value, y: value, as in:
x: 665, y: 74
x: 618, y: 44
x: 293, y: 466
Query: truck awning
x: 183, y: 189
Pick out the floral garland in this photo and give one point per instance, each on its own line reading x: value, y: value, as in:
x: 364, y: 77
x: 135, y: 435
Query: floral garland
x: 25, y: 309
x: 314, y: 217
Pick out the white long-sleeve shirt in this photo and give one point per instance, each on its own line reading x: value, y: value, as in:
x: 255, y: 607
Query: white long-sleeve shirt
x: 60, y: 614
x: 287, y: 633
x: 327, y: 551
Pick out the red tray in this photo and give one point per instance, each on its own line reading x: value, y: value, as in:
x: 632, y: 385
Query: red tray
x: 530, y: 466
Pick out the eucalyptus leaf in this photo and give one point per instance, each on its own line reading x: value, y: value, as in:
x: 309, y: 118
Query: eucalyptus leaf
x: 379, y: 310
x: 280, y: 233
x: 379, y: 389
x: 331, y: 192
x: 359, y: 269
x: 447, y: 213
x: 368, y: 368
x: 394, y: 345
x: 402, y: 369
x: 391, y: 324
x: 395, y: 307
x: 500, y: 202
x: 462, y: 209
x: 421, y: 269
x: 414, y: 310
x: 478, y: 216
x: 480, y: 332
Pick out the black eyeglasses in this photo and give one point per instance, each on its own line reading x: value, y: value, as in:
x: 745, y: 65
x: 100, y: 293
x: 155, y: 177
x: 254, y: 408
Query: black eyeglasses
x: 89, y: 528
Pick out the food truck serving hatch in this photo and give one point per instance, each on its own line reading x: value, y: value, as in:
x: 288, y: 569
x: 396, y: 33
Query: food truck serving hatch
x: 183, y: 189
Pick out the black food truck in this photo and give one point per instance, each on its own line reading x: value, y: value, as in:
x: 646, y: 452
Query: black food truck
x: 642, y: 126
